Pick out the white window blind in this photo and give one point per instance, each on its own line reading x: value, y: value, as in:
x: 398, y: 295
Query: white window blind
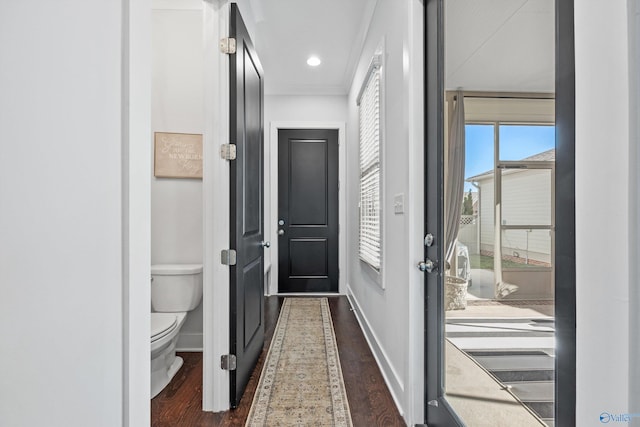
x: 370, y: 218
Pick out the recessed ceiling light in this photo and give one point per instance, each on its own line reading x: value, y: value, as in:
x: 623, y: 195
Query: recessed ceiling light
x: 313, y: 61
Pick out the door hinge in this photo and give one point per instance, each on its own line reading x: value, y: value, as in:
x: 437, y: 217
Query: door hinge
x: 228, y: 151
x: 228, y: 362
x: 228, y: 257
x: 228, y: 45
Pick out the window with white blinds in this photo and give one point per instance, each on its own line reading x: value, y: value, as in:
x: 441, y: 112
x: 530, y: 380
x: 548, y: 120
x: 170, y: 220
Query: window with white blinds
x: 370, y: 249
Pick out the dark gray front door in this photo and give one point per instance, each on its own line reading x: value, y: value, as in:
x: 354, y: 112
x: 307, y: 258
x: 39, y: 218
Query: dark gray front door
x: 438, y: 412
x: 308, y: 210
x: 246, y: 222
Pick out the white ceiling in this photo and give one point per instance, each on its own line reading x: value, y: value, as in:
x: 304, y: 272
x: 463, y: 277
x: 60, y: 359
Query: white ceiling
x: 490, y: 45
x: 500, y: 45
x: 289, y: 31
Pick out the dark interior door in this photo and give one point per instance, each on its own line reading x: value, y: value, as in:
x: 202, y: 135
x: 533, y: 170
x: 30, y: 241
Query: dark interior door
x: 308, y: 210
x: 246, y: 222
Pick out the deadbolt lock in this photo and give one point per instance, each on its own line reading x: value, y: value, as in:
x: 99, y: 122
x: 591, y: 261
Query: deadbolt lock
x: 428, y: 240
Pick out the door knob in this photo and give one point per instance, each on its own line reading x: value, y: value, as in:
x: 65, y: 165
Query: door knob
x: 265, y: 244
x: 281, y: 232
x: 428, y: 266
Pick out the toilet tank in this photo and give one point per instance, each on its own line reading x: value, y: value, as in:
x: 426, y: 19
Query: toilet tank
x: 176, y: 287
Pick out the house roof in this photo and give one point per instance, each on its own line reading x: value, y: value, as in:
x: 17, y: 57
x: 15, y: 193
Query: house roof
x: 545, y: 156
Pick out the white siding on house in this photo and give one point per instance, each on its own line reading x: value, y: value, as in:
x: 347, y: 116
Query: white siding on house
x: 527, y: 246
x: 486, y: 215
x: 526, y: 200
x: 526, y: 197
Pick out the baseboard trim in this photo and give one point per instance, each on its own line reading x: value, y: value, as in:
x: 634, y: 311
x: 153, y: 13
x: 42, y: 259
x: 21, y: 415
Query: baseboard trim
x: 190, y: 342
x: 391, y: 378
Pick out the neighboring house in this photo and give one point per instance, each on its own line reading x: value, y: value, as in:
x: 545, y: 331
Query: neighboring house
x: 526, y: 199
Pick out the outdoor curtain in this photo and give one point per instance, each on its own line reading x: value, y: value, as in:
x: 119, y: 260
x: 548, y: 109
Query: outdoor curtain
x: 454, y: 185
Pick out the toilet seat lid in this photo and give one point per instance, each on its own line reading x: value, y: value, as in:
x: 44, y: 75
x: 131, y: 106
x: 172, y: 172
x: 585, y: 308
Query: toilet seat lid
x: 161, y: 324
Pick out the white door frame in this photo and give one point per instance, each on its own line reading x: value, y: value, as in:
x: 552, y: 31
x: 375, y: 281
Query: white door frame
x: 136, y: 211
x: 136, y: 71
x: 271, y: 179
x: 215, y: 381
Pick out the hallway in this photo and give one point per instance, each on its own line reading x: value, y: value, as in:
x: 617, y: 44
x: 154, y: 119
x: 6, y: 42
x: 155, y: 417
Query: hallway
x: 371, y: 404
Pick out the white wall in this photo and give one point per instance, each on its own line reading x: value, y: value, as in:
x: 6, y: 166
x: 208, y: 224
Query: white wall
x: 61, y: 220
x: 383, y: 309
x: 177, y: 106
x: 387, y: 314
x: 250, y: 16
x: 332, y: 108
x: 634, y: 229
x: 603, y: 205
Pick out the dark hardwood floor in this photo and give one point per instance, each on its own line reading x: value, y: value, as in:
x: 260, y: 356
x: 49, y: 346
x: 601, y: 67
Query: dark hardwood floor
x: 371, y: 404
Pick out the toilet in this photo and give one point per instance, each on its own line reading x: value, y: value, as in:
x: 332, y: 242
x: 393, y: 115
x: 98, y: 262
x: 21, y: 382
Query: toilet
x: 175, y: 290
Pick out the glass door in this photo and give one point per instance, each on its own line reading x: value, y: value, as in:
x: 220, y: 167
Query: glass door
x: 438, y: 412
x: 525, y: 212
x: 490, y: 241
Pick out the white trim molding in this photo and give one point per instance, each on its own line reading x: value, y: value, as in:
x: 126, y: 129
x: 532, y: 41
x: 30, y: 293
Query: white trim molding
x: 190, y: 342
x: 391, y: 377
x: 215, y: 184
x: 136, y: 211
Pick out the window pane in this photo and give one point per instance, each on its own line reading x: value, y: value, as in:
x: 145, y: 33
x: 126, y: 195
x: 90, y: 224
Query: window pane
x: 527, y: 142
x: 369, y: 112
x: 526, y: 196
x: 478, y: 154
x: 526, y: 248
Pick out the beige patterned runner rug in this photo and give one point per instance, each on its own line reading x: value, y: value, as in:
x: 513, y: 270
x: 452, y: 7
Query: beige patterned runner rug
x: 301, y: 382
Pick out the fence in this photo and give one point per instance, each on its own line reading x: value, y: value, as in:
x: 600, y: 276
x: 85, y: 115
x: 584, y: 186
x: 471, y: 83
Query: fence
x: 468, y: 233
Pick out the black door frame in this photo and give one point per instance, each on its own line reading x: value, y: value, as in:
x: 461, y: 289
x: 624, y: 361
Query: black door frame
x: 565, y: 271
x: 565, y: 258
